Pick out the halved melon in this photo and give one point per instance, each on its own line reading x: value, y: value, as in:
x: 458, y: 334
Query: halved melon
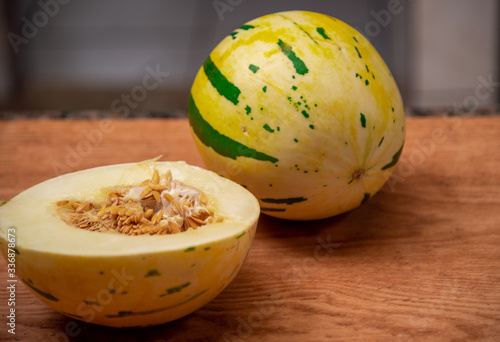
x: 132, y: 244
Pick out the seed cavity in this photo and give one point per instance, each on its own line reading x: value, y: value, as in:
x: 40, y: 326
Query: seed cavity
x: 156, y: 206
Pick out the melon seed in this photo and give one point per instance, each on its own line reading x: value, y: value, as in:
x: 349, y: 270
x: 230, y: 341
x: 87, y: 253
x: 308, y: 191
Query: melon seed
x: 121, y: 213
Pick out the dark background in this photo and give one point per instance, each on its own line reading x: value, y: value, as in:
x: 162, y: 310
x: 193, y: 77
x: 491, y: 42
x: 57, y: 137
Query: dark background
x: 85, y: 54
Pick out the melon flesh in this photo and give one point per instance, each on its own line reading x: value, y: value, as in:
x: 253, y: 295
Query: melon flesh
x: 120, y: 280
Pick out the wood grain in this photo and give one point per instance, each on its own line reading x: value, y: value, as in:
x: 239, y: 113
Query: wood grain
x: 420, y: 261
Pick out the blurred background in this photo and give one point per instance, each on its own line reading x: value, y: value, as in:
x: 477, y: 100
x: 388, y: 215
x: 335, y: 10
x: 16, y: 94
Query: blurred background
x: 75, y: 54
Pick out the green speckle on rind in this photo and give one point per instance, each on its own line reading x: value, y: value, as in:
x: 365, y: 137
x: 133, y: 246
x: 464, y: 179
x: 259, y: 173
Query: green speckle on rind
x: 267, y: 128
x: 359, y: 54
x: 248, y: 110
x: 221, y: 144
x: 90, y: 302
x: 395, y: 158
x: 247, y: 27
x: 190, y: 249
x: 380, y: 143
x: 152, y: 273
x: 241, y: 235
x: 264, y: 89
x: 175, y: 289
x: 321, y: 31
x: 288, y: 201
x: 244, y: 27
x: 272, y: 209
x: 40, y: 292
x: 366, y: 197
x: 254, y: 68
x: 362, y: 119
x: 223, y: 86
x: 306, y: 115
x: 298, y: 64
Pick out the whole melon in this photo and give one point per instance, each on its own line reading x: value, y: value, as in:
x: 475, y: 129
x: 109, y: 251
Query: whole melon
x: 299, y: 108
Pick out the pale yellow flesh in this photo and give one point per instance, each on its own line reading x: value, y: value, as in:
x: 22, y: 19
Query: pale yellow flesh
x: 55, y: 236
x: 119, y: 280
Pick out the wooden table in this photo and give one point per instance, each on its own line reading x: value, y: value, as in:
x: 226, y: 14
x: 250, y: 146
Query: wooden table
x: 420, y: 261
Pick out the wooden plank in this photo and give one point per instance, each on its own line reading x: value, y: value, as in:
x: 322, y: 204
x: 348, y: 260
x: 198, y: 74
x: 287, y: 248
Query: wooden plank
x: 34, y: 151
x: 418, y: 262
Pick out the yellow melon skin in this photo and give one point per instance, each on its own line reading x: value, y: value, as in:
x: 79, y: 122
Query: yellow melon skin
x: 300, y: 109
x: 126, y: 281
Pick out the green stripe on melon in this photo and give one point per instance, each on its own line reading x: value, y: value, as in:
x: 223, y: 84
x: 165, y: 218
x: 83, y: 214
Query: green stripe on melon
x: 222, y: 144
x: 298, y: 64
x: 220, y: 82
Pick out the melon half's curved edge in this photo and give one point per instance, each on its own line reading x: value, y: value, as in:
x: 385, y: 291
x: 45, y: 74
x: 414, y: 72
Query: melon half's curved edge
x: 119, y: 280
